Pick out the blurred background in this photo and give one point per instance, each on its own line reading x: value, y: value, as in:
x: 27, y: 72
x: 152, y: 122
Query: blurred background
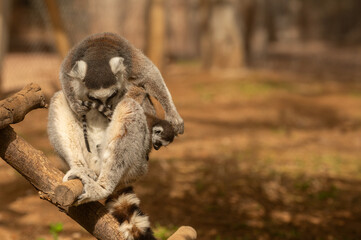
x: 270, y: 92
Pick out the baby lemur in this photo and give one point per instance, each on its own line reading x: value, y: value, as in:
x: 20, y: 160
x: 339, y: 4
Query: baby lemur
x: 162, y: 133
x: 102, y: 68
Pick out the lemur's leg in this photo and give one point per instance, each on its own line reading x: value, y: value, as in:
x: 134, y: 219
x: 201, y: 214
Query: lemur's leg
x: 66, y: 135
x: 123, y: 152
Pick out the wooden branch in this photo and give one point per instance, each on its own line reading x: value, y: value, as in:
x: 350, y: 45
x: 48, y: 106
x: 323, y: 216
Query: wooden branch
x: 66, y: 193
x: 13, y: 109
x: 184, y: 233
x: 47, y: 179
x: 37, y: 169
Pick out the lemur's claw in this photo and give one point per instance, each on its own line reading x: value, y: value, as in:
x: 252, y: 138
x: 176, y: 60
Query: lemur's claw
x: 83, y: 198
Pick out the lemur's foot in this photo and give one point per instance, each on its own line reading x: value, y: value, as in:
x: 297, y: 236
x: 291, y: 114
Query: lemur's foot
x: 80, y: 173
x: 92, y: 191
x: 177, y: 123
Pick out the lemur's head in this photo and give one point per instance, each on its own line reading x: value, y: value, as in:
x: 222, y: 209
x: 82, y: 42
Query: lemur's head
x: 100, y: 80
x: 162, y: 134
x: 98, y: 67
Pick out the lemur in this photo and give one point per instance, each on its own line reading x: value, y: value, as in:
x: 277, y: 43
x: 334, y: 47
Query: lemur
x: 162, y: 133
x: 102, y: 68
x: 99, y: 66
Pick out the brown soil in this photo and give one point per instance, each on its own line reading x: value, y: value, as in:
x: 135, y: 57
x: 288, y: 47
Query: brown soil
x: 265, y: 155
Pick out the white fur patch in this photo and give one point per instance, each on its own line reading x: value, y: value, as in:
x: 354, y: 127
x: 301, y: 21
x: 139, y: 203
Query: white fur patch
x: 78, y: 87
x: 141, y: 222
x: 129, y: 198
x: 158, y: 128
x: 164, y: 143
x: 126, y: 228
x: 116, y: 64
x: 78, y: 70
x: 102, y: 93
x: 156, y: 138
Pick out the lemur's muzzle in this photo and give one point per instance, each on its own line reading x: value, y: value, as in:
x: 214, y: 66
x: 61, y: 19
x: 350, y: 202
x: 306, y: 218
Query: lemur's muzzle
x: 157, y: 145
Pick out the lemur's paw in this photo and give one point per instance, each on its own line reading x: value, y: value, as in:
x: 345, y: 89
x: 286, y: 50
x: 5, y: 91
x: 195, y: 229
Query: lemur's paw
x: 177, y: 123
x: 79, y: 108
x: 80, y: 173
x: 92, y: 191
x: 83, y: 198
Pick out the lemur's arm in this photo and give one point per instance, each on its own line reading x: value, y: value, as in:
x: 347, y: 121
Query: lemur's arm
x: 150, y: 78
x: 125, y: 147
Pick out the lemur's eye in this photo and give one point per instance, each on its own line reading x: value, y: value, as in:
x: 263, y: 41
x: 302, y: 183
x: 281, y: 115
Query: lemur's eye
x: 111, y: 96
x: 157, y: 131
x: 93, y: 98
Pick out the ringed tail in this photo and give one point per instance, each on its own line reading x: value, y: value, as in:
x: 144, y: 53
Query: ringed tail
x: 85, y: 133
x: 134, y: 224
x: 101, y: 108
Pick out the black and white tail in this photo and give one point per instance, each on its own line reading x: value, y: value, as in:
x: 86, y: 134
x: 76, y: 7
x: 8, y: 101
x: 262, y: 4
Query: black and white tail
x: 104, y: 110
x: 134, y: 224
x: 85, y: 132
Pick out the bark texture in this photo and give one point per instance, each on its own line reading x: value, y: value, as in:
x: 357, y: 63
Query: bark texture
x: 36, y: 168
x: 13, y: 109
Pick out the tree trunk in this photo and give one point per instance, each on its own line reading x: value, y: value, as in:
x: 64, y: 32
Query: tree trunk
x: 182, y: 29
x: 61, y: 37
x: 222, y: 43
x: 256, y: 36
x: 156, y: 33
x: 5, y: 7
x: 105, y: 15
x: 133, y: 22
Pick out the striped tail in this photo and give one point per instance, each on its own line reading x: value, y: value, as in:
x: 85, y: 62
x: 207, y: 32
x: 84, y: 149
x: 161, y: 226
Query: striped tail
x: 104, y: 110
x: 85, y: 133
x: 134, y: 224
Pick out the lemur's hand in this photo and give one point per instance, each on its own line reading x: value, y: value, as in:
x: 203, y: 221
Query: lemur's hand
x: 177, y: 122
x: 79, y: 108
x: 80, y: 173
x: 92, y: 191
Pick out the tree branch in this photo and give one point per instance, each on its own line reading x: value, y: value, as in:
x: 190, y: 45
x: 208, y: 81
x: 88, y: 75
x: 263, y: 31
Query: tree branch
x: 47, y: 179
x: 36, y: 168
x: 13, y: 109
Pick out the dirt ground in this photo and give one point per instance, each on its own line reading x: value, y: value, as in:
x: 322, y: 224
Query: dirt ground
x: 267, y: 153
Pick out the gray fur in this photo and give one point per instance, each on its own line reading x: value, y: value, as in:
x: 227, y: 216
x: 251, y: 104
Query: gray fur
x: 97, y: 51
x: 123, y: 145
x: 162, y: 133
x: 112, y: 151
x: 106, y: 111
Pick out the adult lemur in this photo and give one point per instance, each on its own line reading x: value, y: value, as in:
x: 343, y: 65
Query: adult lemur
x: 102, y: 68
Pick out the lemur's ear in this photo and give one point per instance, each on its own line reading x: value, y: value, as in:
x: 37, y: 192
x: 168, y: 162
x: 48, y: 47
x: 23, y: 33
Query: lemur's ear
x: 117, y: 64
x: 79, y: 70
